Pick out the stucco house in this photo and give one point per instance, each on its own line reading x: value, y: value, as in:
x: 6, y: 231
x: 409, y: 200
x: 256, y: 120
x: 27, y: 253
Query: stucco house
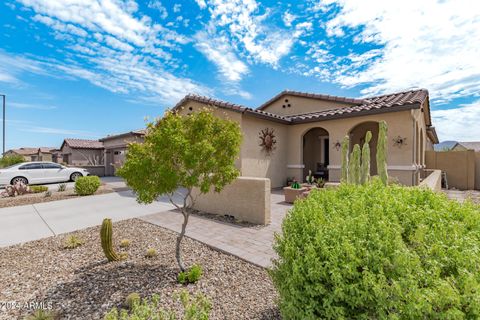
x: 305, y: 132
x: 82, y: 152
x: 115, y: 147
x: 33, y: 154
x: 470, y: 145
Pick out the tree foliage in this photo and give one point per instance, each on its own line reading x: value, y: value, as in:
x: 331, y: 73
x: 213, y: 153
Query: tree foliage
x: 10, y: 160
x: 190, y: 151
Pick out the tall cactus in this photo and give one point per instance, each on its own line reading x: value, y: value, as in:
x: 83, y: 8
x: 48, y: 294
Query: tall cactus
x: 345, y: 145
x: 106, y: 237
x: 354, y: 166
x: 365, y: 177
x: 382, y: 152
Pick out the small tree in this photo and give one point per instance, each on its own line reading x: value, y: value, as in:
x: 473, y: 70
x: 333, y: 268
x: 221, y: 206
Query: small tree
x: 191, y: 151
x: 10, y: 160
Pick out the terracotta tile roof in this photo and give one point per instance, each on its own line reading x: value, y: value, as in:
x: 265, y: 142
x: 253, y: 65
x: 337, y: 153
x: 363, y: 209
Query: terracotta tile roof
x: 139, y: 132
x: 47, y: 149
x: 470, y: 145
x: 25, y: 151
x: 84, y: 144
x: 378, y: 104
x: 312, y: 96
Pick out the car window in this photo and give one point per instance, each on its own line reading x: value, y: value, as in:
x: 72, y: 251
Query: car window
x: 52, y: 166
x: 31, y: 166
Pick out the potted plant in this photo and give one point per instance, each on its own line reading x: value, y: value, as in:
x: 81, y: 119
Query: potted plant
x: 320, y: 183
x: 293, y: 192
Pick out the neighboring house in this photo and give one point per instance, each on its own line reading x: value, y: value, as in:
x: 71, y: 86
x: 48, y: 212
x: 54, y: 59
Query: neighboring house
x: 308, y: 130
x: 115, y: 147
x: 471, y: 145
x: 82, y: 152
x: 33, y: 154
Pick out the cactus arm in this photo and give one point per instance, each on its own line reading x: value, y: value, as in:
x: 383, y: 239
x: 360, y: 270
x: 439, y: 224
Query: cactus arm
x: 106, y: 238
x: 345, y: 144
x: 354, y: 170
x: 382, y: 152
x: 365, y: 177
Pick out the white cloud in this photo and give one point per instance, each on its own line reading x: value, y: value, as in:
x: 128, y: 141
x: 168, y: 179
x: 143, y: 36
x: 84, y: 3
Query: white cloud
x: 460, y: 124
x: 201, y: 4
x: 156, y: 4
x: 20, y: 105
x: 288, y: 18
x: 59, y: 26
x: 12, y: 66
x: 429, y: 43
x: 57, y: 131
x: 116, y: 44
x: 177, y: 7
x: 219, y: 52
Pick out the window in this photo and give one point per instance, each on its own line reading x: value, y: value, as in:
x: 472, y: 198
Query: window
x: 31, y: 166
x: 52, y: 166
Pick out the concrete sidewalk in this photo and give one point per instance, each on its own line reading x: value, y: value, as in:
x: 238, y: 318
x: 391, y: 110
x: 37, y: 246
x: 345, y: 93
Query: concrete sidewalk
x: 31, y: 222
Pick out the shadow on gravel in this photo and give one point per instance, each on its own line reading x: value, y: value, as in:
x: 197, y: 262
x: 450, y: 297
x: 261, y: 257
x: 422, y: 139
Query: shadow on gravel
x: 101, y: 286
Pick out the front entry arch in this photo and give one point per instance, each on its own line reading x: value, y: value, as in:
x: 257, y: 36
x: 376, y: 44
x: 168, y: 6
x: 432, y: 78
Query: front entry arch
x: 316, y: 152
x: 357, y: 136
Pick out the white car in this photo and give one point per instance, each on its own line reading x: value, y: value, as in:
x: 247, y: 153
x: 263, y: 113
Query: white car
x: 39, y: 172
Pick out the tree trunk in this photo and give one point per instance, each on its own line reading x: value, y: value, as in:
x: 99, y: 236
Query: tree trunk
x: 180, y: 238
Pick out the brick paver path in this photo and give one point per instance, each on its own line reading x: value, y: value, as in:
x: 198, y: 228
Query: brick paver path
x: 463, y: 195
x: 253, y: 244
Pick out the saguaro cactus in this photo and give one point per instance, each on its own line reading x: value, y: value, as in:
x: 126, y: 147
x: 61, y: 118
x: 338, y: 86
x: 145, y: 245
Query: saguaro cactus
x: 365, y: 176
x: 382, y: 152
x: 106, y: 237
x: 354, y: 166
x: 345, y: 144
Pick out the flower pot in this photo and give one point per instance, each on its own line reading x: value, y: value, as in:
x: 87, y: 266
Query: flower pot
x: 292, y: 194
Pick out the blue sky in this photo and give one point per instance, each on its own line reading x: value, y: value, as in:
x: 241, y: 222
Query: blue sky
x: 86, y: 68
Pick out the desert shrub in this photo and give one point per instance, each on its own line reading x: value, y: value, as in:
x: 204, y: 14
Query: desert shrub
x: 10, y: 160
x: 47, y: 194
x: 85, y: 186
x: 376, y: 252
x: 132, y: 299
x: 72, y: 242
x: 194, y: 308
x: 41, y: 314
x: 190, y: 276
x: 125, y: 243
x: 150, y: 253
x: 38, y: 189
x: 62, y: 187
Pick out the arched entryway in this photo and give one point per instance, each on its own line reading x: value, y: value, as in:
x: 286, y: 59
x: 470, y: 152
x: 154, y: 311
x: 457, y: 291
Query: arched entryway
x: 316, y: 151
x: 357, y: 136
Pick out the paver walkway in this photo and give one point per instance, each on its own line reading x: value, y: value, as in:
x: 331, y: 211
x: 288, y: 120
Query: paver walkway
x: 463, y: 195
x: 253, y: 244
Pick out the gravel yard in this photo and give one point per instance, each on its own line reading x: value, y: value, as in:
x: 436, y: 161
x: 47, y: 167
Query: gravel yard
x: 80, y: 284
x: 33, y: 198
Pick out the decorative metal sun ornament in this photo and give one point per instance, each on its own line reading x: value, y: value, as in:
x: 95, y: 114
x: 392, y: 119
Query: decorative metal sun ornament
x: 399, y: 141
x: 267, y: 140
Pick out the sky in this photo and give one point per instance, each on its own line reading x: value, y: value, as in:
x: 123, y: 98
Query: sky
x: 89, y: 68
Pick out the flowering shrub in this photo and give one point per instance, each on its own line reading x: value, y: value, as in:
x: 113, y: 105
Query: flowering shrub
x: 375, y: 252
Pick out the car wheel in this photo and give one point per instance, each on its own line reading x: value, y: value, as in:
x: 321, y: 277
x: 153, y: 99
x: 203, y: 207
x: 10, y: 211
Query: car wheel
x: 74, y: 176
x: 19, y: 180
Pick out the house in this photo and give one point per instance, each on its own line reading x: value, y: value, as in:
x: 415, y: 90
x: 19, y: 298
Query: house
x: 295, y: 132
x: 33, y: 154
x: 82, y: 152
x: 115, y: 147
x: 471, y: 145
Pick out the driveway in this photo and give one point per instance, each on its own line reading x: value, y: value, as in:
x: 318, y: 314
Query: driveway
x: 31, y: 222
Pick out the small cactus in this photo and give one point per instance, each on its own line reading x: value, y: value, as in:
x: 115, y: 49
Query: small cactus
x: 354, y: 166
x: 151, y: 253
x: 382, y: 152
x: 345, y: 145
x: 125, y: 243
x: 73, y: 242
x: 106, y: 238
x: 365, y: 177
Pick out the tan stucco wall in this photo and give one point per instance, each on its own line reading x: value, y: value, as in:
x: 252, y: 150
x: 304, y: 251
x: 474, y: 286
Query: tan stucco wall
x: 302, y: 105
x: 433, y: 181
x: 400, y: 160
x: 77, y: 157
x: 121, y: 142
x: 247, y: 199
x: 458, y: 165
x: 117, y: 144
x: 477, y: 170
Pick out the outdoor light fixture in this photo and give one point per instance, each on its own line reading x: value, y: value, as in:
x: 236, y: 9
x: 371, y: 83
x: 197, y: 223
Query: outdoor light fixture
x: 338, y: 145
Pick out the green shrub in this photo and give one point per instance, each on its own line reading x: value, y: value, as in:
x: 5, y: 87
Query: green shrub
x: 190, y: 276
x: 10, y: 160
x: 73, y: 242
x: 132, y: 299
x: 62, y: 187
x: 47, y: 194
x: 38, y: 189
x: 125, y: 243
x: 194, y: 308
x: 41, y: 314
x: 85, y: 186
x: 376, y: 252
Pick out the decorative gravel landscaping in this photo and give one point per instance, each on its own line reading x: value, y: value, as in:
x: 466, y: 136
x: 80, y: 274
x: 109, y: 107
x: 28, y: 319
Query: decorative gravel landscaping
x: 81, y: 284
x: 33, y: 198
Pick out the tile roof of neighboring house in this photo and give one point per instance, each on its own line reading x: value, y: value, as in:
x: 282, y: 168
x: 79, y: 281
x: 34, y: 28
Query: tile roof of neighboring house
x: 312, y: 96
x: 139, y: 132
x: 470, y: 145
x: 47, y: 149
x: 378, y: 104
x: 83, y: 144
x: 25, y: 151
